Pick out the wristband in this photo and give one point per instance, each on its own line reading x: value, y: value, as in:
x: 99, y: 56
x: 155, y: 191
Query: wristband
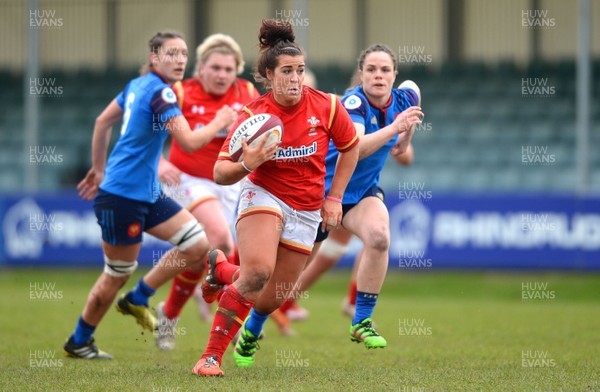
x: 246, y: 167
x: 334, y: 199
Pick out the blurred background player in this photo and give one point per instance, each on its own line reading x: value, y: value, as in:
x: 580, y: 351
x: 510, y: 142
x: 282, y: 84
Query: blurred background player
x: 277, y: 221
x: 189, y: 175
x: 384, y: 119
x: 329, y: 253
x: 127, y: 196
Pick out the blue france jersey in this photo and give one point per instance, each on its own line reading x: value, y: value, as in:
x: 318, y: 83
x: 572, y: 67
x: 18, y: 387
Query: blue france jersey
x: 368, y: 170
x: 132, y: 168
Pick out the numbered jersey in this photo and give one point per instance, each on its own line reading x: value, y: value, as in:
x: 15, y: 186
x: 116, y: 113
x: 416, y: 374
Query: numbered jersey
x: 200, y: 108
x: 148, y: 102
x: 361, y: 111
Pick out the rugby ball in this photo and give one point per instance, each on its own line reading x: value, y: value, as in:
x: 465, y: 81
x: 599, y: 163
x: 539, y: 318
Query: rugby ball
x: 254, y: 129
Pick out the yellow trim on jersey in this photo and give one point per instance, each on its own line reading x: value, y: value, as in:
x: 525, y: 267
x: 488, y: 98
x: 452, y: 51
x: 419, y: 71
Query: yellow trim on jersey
x: 251, y: 89
x: 296, y: 245
x: 179, y: 93
x: 332, y: 113
x: 224, y: 154
x: 245, y: 109
x: 348, y: 145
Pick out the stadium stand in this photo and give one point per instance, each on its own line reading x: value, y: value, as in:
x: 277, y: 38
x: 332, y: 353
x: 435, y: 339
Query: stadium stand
x: 477, y: 123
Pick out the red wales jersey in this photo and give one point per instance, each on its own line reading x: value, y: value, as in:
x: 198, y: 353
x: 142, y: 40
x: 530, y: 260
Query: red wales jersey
x: 297, y: 173
x: 199, y: 108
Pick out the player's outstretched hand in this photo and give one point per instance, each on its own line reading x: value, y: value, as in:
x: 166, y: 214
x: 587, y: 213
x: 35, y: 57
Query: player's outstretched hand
x: 226, y: 115
x: 168, y: 173
x: 88, y: 187
x: 405, y: 120
x: 256, y: 156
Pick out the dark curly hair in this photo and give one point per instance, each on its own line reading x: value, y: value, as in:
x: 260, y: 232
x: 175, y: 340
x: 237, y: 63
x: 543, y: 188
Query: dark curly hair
x: 275, y: 38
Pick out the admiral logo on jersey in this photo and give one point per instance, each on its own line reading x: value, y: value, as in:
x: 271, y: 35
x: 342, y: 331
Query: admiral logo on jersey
x: 302, y: 151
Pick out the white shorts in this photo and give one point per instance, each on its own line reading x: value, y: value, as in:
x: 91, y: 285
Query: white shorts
x: 299, y: 227
x: 193, y: 191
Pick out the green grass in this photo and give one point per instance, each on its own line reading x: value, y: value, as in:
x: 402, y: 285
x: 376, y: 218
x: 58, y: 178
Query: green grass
x: 475, y: 328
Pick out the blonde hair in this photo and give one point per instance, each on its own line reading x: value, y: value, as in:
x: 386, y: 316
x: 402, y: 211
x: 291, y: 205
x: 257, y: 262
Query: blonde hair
x: 219, y: 43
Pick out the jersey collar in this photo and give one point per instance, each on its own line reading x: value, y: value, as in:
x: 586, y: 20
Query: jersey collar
x: 160, y: 76
x: 387, y: 104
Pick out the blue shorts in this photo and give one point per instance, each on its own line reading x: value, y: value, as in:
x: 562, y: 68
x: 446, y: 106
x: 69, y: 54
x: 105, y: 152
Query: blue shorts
x: 374, y: 191
x: 124, y: 220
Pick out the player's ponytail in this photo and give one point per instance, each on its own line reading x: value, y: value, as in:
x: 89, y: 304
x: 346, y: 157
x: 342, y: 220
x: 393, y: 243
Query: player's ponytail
x: 275, y: 38
x: 156, y: 43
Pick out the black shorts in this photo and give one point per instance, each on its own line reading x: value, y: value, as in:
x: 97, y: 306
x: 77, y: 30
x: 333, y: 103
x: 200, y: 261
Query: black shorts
x: 374, y: 191
x: 124, y: 220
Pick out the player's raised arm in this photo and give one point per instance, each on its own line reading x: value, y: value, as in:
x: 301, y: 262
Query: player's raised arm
x: 400, y: 151
x: 189, y: 141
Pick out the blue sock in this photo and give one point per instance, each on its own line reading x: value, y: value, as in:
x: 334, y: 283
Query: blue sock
x: 255, y: 322
x: 140, y: 293
x: 83, y: 332
x: 365, y: 304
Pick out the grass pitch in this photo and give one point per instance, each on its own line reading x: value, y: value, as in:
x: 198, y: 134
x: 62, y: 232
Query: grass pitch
x: 445, y: 331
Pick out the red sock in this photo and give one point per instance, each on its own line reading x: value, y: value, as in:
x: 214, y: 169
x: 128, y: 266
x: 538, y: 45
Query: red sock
x: 352, y: 292
x: 287, y: 305
x: 226, y: 273
x: 231, y: 313
x: 221, y: 293
x: 182, y: 289
x: 234, y: 257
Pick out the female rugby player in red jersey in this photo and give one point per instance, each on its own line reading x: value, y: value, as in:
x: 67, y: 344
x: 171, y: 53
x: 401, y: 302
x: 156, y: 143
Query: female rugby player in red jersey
x: 283, y: 200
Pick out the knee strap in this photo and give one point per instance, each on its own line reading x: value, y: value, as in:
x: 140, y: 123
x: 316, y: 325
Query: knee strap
x: 190, y: 234
x: 333, y: 248
x: 119, y: 268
